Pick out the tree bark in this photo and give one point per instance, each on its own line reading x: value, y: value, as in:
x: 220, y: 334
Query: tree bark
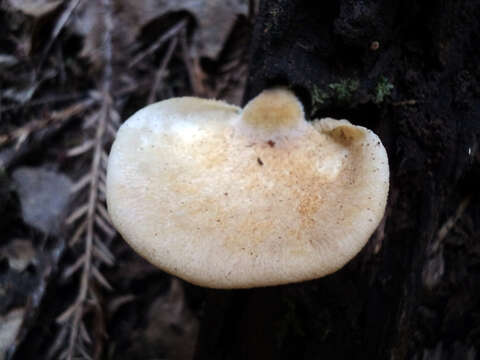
x: 409, y: 71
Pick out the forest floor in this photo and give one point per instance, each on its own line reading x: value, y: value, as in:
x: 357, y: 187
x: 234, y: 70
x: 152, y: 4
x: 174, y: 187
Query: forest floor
x: 70, y: 73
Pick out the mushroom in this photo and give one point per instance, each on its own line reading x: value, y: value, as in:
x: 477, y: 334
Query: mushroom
x: 230, y: 198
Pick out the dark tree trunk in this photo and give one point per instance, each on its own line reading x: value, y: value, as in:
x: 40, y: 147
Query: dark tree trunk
x: 414, y: 291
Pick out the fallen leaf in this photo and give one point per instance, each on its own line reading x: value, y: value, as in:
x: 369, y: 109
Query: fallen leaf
x: 35, y: 8
x: 9, y: 327
x: 7, y: 60
x: 44, y: 197
x: 170, y: 330
x: 19, y: 254
x: 172, y: 323
x: 215, y: 20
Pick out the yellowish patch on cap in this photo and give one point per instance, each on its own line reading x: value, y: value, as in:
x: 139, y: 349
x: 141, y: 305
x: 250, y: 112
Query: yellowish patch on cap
x: 273, y: 110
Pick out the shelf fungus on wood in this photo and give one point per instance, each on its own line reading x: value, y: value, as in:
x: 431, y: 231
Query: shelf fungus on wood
x: 230, y: 198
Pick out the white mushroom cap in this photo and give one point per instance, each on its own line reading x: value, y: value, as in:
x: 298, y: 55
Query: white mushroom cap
x: 226, y: 198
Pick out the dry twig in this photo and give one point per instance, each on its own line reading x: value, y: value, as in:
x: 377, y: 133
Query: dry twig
x: 173, y: 31
x: 160, y: 72
x: 38, y: 131
x: 92, y: 220
x: 62, y: 20
x: 195, y: 74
